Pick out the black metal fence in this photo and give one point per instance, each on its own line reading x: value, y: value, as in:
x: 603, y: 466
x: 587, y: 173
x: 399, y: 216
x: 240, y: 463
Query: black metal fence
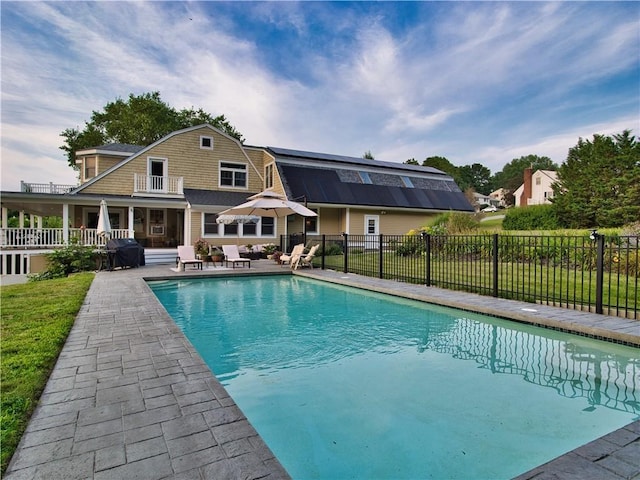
x: 598, y: 273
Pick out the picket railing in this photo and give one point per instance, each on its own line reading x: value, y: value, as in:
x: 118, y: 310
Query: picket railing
x: 54, y: 237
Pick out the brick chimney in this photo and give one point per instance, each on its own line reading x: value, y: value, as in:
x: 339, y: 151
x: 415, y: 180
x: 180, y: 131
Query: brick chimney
x: 526, y: 191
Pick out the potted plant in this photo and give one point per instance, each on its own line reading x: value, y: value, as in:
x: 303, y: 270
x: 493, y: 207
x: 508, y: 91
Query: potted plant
x: 202, y: 248
x: 269, y: 249
x: 216, y: 254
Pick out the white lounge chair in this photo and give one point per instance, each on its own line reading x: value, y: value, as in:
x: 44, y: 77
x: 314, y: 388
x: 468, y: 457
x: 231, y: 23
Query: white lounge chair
x: 295, y: 252
x: 232, y: 256
x: 305, y: 260
x: 187, y: 255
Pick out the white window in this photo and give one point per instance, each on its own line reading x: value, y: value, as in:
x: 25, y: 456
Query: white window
x: 156, y: 173
x: 265, y: 227
x: 268, y: 176
x: 268, y: 226
x: 89, y: 167
x: 311, y: 223
x: 206, y: 143
x: 233, y: 175
x: 157, y: 221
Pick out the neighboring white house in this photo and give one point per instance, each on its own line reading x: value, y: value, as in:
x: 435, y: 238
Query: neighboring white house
x: 498, y: 197
x: 536, y: 189
x: 481, y: 199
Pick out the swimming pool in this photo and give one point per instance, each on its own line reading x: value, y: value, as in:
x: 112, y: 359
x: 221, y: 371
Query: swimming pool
x: 343, y: 383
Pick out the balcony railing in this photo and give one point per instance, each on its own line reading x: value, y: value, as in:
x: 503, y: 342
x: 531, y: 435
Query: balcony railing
x: 54, y: 237
x: 157, y: 184
x: 45, y: 188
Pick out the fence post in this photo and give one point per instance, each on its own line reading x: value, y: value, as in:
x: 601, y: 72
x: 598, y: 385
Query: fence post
x: 427, y: 258
x: 324, y: 251
x: 495, y: 264
x: 380, y: 254
x: 599, y: 272
x: 346, y: 251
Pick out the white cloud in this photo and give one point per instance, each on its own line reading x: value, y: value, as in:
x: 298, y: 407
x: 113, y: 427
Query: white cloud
x: 476, y: 82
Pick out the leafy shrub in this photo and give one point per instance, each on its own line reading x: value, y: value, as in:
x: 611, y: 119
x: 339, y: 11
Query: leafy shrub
x: 331, y: 248
x: 67, y: 260
x: 413, y: 245
x: 534, y: 217
x: 452, y: 223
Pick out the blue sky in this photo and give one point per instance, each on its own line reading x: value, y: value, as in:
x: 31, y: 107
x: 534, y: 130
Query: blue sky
x: 476, y: 82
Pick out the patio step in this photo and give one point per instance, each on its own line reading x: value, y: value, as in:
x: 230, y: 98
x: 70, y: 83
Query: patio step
x: 160, y: 256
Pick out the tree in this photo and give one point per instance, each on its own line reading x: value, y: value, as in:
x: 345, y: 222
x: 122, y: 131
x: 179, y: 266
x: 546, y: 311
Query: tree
x: 599, y: 183
x: 476, y: 176
x: 141, y: 120
x: 511, y: 175
x: 444, y: 165
x: 441, y: 163
x: 368, y: 155
x: 411, y: 161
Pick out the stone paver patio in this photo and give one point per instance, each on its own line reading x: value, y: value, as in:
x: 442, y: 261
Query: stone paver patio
x: 130, y: 397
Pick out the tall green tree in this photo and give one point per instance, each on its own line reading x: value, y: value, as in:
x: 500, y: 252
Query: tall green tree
x: 511, y: 175
x: 139, y: 120
x: 475, y: 176
x: 599, y: 183
x: 441, y: 163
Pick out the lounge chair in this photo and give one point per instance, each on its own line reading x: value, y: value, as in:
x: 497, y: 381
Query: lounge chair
x: 305, y: 260
x: 187, y: 255
x: 232, y: 256
x: 295, y: 252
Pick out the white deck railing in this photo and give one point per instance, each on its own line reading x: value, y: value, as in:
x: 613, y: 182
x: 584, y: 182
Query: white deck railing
x: 157, y: 184
x: 54, y: 237
x: 45, y: 188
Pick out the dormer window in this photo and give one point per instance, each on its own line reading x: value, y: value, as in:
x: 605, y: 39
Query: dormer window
x: 206, y: 143
x: 268, y: 176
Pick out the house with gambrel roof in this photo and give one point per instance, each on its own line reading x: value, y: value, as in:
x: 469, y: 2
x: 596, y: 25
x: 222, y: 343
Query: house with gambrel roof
x: 170, y: 193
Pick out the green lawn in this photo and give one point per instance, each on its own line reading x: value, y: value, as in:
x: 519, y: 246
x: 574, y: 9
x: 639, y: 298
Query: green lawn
x: 36, y: 319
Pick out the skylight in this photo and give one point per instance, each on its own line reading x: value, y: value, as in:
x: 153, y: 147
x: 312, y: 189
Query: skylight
x: 364, y: 176
x: 407, y: 181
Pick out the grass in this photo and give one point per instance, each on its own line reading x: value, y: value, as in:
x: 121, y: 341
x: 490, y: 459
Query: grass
x: 36, y: 319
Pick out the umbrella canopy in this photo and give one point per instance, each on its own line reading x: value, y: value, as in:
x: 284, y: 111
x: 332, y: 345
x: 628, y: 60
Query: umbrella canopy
x: 229, y: 219
x: 104, y: 225
x: 269, y: 204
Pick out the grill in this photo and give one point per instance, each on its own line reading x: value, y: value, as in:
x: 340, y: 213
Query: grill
x: 124, y: 252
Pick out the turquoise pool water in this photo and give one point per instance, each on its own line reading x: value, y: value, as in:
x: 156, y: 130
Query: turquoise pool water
x: 342, y: 383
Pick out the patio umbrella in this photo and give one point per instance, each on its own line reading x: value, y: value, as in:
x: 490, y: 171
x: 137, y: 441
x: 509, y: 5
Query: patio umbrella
x: 104, y: 225
x: 269, y: 204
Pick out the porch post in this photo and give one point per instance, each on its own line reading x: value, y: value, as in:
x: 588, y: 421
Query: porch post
x: 187, y: 225
x: 65, y: 223
x: 21, y: 219
x: 5, y: 217
x: 130, y: 223
x: 347, y: 226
